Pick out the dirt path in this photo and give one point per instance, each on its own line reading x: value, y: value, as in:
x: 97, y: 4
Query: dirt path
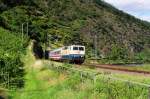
x: 31, y: 60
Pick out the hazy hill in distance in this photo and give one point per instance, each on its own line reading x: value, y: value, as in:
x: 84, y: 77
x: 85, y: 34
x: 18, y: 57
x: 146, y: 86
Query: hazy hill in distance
x: 118, y: 35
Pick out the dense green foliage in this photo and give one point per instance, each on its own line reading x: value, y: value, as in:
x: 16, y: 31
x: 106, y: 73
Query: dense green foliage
x: 11, y: 66
x: 76, y: 22
x: 120, y: 36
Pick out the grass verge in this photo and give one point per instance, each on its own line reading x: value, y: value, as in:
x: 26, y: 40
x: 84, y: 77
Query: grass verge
x: 44, y: 83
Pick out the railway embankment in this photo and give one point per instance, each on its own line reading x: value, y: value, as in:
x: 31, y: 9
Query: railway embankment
x: 108, y: 78
x: 47, y: 79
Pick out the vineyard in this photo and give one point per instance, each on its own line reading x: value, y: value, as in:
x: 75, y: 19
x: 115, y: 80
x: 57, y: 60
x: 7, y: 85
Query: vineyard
x: 12, y: 47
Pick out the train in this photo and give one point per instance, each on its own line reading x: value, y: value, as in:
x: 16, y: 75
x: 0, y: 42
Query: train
x: 71, y: 54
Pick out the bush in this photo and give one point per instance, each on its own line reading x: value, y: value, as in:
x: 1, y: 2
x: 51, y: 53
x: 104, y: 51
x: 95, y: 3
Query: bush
x: 11, y: 66
x: 118, y: 53
x: 144, y: 56
x: 12, y: 72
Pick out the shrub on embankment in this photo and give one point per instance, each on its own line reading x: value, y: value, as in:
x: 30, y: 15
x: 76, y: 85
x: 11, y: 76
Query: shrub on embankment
x: 12, y: 48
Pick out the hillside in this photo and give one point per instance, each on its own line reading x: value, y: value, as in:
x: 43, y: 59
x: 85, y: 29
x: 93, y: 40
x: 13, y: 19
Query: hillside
x: 119, y: 35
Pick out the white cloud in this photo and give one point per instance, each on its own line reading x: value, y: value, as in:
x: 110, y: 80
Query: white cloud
x: 145, y: 18
x: 138, y: 8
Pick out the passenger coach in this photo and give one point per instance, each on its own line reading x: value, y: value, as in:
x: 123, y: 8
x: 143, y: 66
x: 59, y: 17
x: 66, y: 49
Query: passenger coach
x: 73, y: 53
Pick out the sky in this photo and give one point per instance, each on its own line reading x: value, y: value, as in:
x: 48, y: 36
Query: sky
x: 138, y: 8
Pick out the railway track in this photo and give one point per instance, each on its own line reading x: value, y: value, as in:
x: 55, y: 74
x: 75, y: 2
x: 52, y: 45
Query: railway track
x: 117, y: 68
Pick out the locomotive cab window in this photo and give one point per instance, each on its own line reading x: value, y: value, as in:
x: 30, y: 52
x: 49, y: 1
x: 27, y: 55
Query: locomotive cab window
x: 81, y: 48
x: 75, y: 48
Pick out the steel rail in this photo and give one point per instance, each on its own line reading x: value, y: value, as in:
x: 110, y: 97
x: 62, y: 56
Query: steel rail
x: 113, y: 67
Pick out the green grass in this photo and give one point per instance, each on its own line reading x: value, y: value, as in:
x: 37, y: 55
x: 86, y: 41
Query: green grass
x: 56, y: 85
x: 52, y: 85
x: 145, y: 67
x: 47, y: 83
